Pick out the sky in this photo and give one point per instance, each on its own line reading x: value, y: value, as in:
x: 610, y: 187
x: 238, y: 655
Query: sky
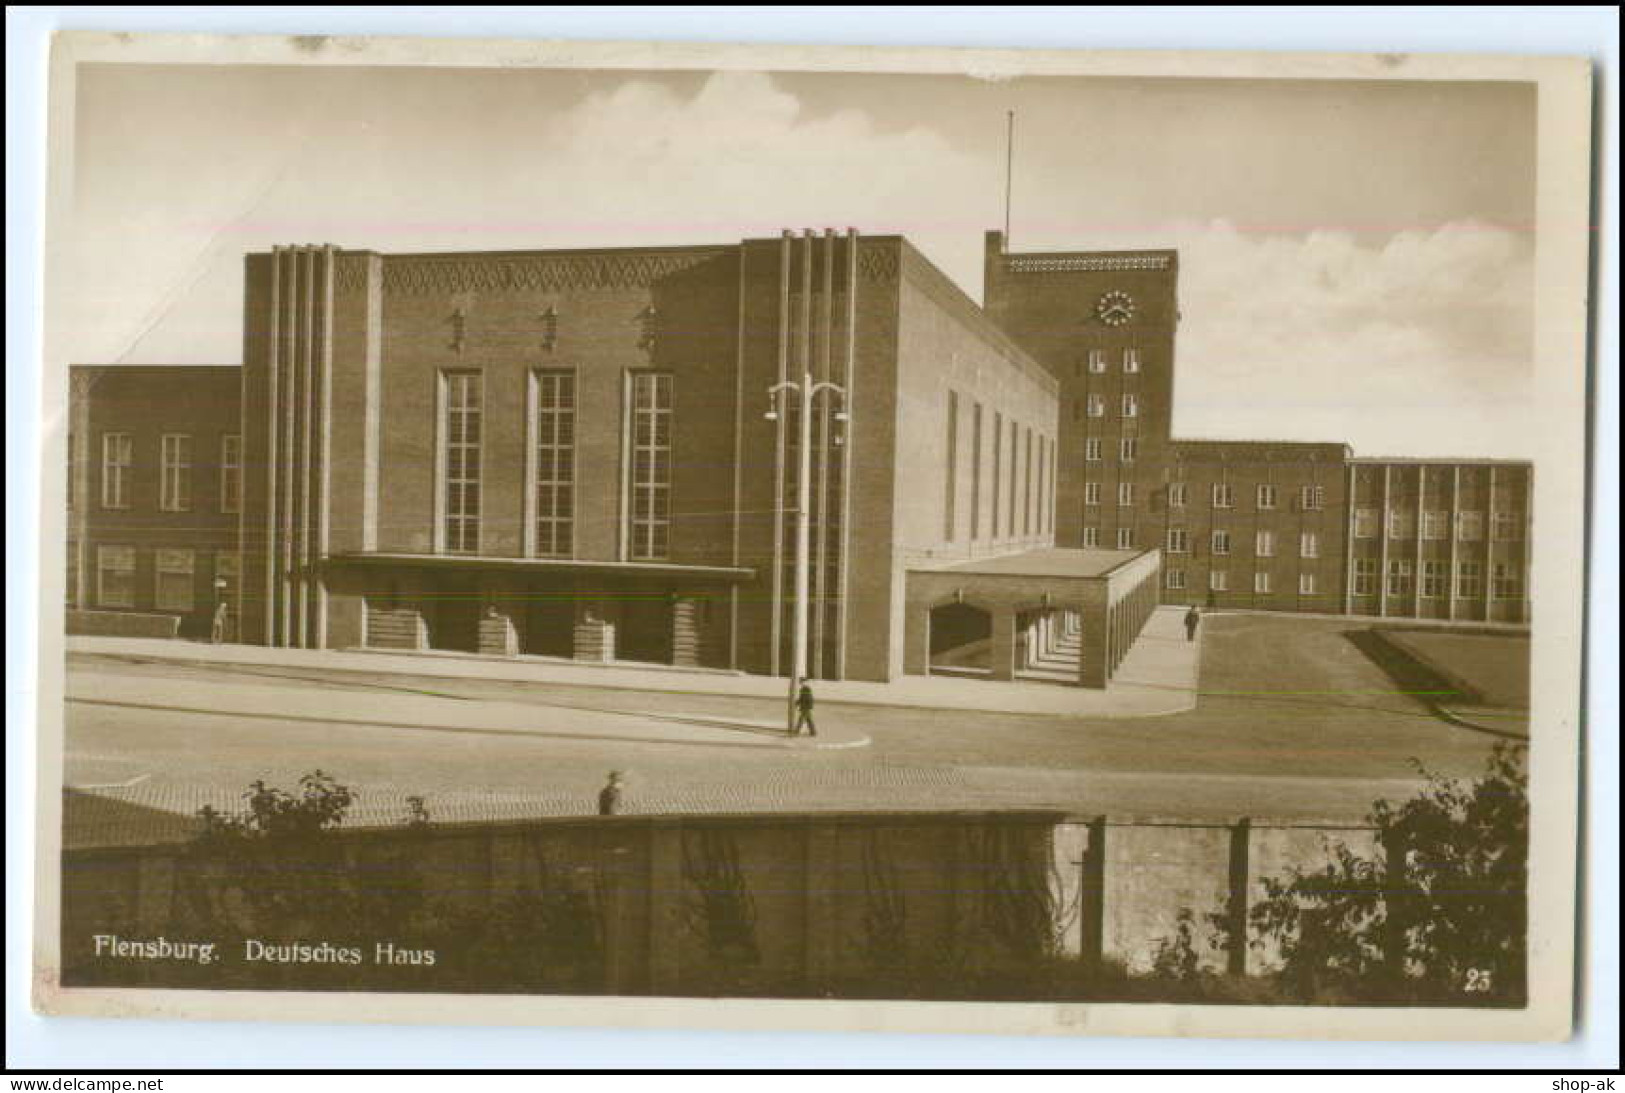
x: 1356, y: 258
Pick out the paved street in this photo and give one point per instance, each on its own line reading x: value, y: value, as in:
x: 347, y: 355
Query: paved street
x: 1292, y: 721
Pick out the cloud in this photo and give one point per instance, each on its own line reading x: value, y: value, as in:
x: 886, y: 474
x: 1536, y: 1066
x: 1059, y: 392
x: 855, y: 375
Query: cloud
x: 1356, y: 337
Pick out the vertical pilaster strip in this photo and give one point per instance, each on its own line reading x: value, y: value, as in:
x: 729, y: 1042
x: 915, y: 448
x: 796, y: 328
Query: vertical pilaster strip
x: 1421, y: 516
x: 1455, y: 538
x: 820, y: 553
x: 739, y: 464
x: 846, y: 450
x: 288, y: 470
x: 1528, y: 537
x: 324, y: 449
x: 272, y: 452
x: 1350, y: 502
x: 1385, y: 530
x: 374, y: 366
x: 1489, y: 546
x: 781, y: 405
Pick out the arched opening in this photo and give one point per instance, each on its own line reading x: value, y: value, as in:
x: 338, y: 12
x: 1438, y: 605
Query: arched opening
x: 961, y: 640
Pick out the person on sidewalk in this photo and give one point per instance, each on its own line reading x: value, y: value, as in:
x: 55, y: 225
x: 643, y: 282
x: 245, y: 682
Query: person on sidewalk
x: 1193, y: 619
x: 609, y: 798
x: 804, y: 712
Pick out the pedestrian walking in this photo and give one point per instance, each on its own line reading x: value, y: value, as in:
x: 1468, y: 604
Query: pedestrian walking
x: 1193, y: 619
x: 804, y: 712
x: 609, y: 798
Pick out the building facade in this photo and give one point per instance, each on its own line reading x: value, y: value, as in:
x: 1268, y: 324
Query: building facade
x: 597, y: 454
x: 155, y: 492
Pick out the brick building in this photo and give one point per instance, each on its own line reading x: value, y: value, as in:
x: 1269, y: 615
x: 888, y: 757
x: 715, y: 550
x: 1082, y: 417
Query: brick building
x: 576, y: 454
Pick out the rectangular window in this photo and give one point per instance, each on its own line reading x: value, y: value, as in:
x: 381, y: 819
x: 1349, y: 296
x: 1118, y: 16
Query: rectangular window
x: 975, y: 471
x: 461, y: 427
x: 1179, y: 541
x: 1435, y: 580
x: 1176, y: 495
x: 651, y: 465
x: 1091, y: 493
x: 1218, y: 580
x: 1091, y: 537
x: 1365, y: 576
x: 1221, y: 542
x: 1097, y: 360
x: 998, y: 473
x: 1401, y: 524
x: 175, y: 480
x: 1470, y: 526
x: 950, y: 468
x: 172, y: 581
x: 1261, y: 582
x: 1266, y: 497
x: 1128, y: 449
x: 115, y: 576
x: 231, y: 472
x: 118, y: 454
x: 1125, y: 538
x: 1131, y: 360
x: 1306, y: 584
x: 1309, y: 545
x: 1507, y: 527
x: 1399, y: 577
x: 1125, y: 493
x: 1264, y: 544
x: 1224, y: 496
x: 1131, y: 406
x: 1435, y: 525
x: 554, y: 433
x: 1091, y: 449
x: 1365, y: 523
x: 1312, y: 498
x: 1097, y: 406
x: 1470, y: 580
x: 1174, y: 579
x: 1506, y: 581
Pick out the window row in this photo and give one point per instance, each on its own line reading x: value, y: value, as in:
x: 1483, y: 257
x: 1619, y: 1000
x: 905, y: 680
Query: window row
x: 1218, y: 580
x: 1095, y: 406
x: 1506, y: 579
x: 174, y: 472
x: 1021, y: 486
x: 1310, y: 498
x: 1401, y: 523
x: 1098, y: 361
x: 1179, y: 542
x: 551, y: 463
x: 174, y: 577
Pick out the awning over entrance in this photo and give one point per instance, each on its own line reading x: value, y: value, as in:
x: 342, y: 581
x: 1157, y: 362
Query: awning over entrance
x: 548, y: 565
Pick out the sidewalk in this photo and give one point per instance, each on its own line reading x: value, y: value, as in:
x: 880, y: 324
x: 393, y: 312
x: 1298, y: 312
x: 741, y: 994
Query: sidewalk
x: 1158, y: 676
x: 437, y: 713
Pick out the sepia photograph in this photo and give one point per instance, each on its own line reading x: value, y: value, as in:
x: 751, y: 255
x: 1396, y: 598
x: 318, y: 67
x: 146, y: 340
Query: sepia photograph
x: 1093, y: 539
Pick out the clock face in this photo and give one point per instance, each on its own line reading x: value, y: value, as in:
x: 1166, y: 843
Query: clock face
x: 1115, y: 308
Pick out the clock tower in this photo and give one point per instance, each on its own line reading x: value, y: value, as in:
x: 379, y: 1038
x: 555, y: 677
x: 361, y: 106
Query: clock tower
x: 1103, y: 323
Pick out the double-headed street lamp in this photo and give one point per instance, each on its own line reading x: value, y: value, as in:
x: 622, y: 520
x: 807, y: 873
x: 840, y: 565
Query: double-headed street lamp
x: 807, y: 390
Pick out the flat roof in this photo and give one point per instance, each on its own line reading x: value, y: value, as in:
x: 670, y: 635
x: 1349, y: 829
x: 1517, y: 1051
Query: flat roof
x: 1047, y: 562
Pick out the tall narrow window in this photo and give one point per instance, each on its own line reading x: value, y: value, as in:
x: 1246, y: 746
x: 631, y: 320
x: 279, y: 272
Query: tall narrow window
x: 554, y: 430
x: 1097, y: 360
x: 1506, y: 582
x: 1312, y: 498
x: 1261, y: 582
x: 175, y: 480
x: 1131, y: 360
x: 1365, y: 576
x: 1097, y: 406
x: 1307, y: 585
x: 1401, y: 524
x: 1015, y: 465
x: 1125, y: 538
x: 1264, y: 543
x: 1221, y: 542
x: 1128, y: 448
x: 1175, y: 579
x: 976, y: 471
x: 1309, y: 545
x: 1176, y: 495
x: 1125, y: 493
x: 115, y: 576
x: 231, y: 473
x: 1266, y: 496
x: 1027, y: 489
x: 1131, y: 406
x: 1470, y: 580
x: 1218, y: 581
x: 1435, y: 524
x: 951, y: 468
x: 118, y: 453
x: 1435, y: 580
x: 1399, y: 577
x: 651, y: 465
x: 1091, y: 493
x: 1091, y: 450
x: 998, y: 473
x: 462, y: 397
x: 1091, y: 538
x: 1179, y: 541
x: 1224, y: 495
x: 1365, y: 523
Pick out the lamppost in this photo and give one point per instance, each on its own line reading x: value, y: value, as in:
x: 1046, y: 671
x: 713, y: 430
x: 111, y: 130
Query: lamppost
x: 807, y: 391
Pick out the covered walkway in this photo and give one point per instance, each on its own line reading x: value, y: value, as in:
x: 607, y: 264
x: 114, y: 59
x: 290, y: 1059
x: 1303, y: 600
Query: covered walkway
x: 1064, y: 616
